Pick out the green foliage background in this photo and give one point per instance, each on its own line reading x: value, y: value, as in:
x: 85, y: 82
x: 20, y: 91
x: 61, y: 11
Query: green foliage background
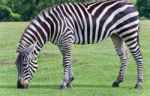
x: 24, y: 10
x: 144, y: 8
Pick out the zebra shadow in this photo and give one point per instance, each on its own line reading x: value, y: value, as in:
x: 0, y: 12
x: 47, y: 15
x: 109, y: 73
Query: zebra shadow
x: 7, y: 86
x: 105, y: 86
x: 31, y: 87
x: 56, y: 87
x: 90, y: 86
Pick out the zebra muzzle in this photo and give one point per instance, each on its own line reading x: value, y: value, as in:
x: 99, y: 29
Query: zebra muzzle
x: 21, y: 84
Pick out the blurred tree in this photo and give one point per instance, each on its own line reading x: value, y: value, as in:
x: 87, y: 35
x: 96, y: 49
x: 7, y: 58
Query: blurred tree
x: 29, y: 8
x: 144, y: 8
x: 7, y: 14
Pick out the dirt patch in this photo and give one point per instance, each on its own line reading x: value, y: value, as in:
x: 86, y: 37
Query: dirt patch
x: 6, y: 63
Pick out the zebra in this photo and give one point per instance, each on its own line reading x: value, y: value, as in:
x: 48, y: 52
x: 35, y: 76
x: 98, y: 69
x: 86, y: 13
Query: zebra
x: 80, y: 23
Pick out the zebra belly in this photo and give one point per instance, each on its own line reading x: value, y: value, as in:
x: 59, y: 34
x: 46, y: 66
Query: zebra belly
x: 86, y: 40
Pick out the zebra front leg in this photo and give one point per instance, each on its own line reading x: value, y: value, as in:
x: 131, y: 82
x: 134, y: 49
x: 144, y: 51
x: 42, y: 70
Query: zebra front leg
x: 67, y: 61
x: 122, y: 53
x: 71, y: 77
x: 124, y: 60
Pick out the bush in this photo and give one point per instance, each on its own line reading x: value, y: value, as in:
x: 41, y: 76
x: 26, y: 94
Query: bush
x: 144, y: 8
x: 7, y: 14
x: 27, y: 9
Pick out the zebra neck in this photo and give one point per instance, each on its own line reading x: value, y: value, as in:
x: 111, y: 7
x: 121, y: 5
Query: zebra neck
x: 29, y: 40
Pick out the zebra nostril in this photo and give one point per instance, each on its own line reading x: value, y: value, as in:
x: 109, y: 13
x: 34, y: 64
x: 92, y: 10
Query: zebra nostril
x: 21, y: 84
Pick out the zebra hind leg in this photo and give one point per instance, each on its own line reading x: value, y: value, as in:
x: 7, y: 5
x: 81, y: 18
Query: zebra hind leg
x: 67, y: 60
x: 134, y: 47
x: 122, y: 53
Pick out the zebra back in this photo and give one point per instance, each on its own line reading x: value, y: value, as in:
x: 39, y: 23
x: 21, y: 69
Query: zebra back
x: 87, y: 23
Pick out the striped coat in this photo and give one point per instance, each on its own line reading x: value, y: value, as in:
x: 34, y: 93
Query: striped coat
x: 87, y: 23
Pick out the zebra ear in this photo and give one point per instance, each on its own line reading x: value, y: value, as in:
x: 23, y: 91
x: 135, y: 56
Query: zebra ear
x: 30, y: 48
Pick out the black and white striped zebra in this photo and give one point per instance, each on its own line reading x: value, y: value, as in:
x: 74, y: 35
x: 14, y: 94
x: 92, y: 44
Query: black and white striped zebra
x: 77, y: 23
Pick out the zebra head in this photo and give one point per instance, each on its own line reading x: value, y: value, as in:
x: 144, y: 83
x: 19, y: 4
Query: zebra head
x: 26, y: 66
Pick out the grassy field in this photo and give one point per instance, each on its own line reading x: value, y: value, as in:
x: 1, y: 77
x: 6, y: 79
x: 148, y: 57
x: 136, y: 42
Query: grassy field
x: 95, y: 67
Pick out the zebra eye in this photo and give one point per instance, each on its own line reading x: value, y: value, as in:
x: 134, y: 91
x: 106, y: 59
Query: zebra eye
x: 25, y: 59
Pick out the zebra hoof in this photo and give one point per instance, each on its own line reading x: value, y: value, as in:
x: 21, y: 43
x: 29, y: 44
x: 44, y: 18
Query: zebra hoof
x: 69, y: 85
x: 115, y: 85
x: 137, y: 86
x: 71, y: 79
x: 62, y: 87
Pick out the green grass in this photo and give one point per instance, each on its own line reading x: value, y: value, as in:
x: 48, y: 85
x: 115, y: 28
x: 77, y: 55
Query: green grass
x: 95, y: 67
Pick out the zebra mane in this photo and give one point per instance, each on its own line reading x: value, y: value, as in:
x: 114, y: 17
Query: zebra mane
x: 22, y: 44
x: 111, y: 0
x: 103, y: 1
